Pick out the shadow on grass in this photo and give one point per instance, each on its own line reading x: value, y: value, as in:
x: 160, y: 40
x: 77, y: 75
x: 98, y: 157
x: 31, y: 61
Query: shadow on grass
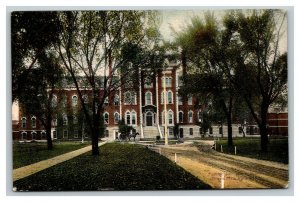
x: 32, y: 152
x: 119, y: 167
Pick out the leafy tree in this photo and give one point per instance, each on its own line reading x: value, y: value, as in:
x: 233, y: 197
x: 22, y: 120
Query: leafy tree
x: 262, y: 69
x: 103, y: 48
x: 124, y: 128
x: 32, y: 33
x: 37, y: 96
x: 209, y: 53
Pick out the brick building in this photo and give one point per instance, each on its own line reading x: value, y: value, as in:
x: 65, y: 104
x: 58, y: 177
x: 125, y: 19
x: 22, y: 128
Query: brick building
x: 142, y: 108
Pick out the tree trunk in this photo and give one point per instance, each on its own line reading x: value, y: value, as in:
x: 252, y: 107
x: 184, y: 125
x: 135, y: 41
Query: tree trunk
x: 95, y: 137
x: 264, y: 131
x: 229, y: 125
x: 48, y: 135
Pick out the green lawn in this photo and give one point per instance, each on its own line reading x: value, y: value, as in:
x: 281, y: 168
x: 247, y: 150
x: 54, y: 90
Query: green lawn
x: 250, y: 147
x: 119, y: 167
x: 28, y: 153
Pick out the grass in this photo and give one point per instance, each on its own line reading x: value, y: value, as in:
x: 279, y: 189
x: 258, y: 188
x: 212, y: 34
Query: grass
x: 120, y: 166
x: 250, y: 147
x: 28, y: 153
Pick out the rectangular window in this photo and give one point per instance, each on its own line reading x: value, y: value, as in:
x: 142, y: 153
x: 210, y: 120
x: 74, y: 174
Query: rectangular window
x: 133, y: 121
x: 65, y: 120
x: 75, y: 133
x: 168, y: 81
x: 190, y: 101
x: 180, y: 81
x: 179, y: 100
x: 171, y: 130
x: 65, y: 134
x: 191, y: 131
x: 33, y: 123
x: 54, y: 135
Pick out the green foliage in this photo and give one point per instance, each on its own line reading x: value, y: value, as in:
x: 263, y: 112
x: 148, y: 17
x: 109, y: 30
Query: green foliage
x: 119, y: 167
x: 32, y: 33
x: 250, y: 147
x: 109, y: 48
x: 124, y: 128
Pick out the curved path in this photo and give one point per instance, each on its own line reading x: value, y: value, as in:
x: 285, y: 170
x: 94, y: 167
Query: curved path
x: 239, y: 172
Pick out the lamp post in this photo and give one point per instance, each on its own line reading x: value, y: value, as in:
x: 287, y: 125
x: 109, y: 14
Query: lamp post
x: 165, y: 110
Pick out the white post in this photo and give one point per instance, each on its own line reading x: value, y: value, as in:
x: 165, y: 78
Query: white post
x: 221, y: 149
x: 235, y: 150
x: 215, y: 146
x: 175, y: 157
x: 222, y: 181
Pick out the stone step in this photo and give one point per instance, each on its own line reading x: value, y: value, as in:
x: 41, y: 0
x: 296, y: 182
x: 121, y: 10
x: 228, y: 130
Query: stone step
x: 150, y: 132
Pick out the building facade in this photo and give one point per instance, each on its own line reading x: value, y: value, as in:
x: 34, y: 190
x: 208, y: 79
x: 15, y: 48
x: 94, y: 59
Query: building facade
x: 142, y: 108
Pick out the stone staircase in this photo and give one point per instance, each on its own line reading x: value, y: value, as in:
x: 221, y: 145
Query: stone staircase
x: 150, y: 132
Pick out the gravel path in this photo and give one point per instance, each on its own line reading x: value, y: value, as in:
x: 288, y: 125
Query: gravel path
x: 240, y: 172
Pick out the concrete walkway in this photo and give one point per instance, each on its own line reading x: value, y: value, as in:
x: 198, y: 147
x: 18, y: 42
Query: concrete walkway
x: 26, y: 171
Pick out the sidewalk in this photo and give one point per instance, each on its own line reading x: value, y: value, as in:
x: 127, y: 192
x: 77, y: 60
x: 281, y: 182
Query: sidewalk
x: 25, y: 171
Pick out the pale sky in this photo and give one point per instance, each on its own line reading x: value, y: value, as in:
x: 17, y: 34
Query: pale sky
x: 179, y: 19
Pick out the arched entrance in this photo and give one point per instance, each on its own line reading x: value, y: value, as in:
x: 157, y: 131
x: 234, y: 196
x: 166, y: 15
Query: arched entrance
x: 149, y: 119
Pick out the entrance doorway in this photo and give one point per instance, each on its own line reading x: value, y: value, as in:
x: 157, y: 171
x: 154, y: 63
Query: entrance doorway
x: 181, y: 132
x: 149, y: 119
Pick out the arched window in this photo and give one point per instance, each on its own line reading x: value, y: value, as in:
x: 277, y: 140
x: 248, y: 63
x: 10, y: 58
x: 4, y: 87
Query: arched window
x: 43, y: 135
x: 24, y: 135
x: 133, y: 117
x: 106, y: 101
x: 54, y: 101
x: 106, y: 117
x: 129, y: 98
x: 148, y: 82
x: 33, y: 122
x: 65, y: 120
x: 180, y: 117
x: 127, y: 117
x: 170, y: 117
x: 75, y: 120
x: 116, y: 117
x: 116, y: 100
x: 23, y: 122
x: 33, y: 135
x: 85, y: 99
x: 148, y: 98
x: 190, y: 116
x: 170, y: 97
x: 74, y: 100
